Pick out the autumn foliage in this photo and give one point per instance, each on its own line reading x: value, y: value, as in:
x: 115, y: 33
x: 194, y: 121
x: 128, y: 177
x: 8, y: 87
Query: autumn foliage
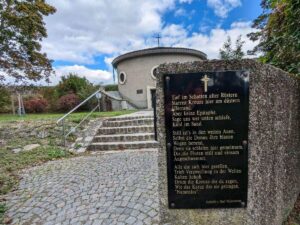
x: 67, y: 102
x: 36, y: 105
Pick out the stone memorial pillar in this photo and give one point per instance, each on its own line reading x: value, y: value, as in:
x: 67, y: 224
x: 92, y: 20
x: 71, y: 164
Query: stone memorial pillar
x: 229, y: 134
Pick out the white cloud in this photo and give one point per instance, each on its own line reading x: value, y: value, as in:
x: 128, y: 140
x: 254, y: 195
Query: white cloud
x: 180, y: 12
x: 174, y: 30
x: 94, y: 76
x: 223, y: 7
x: 172, y: 35
x: 176, y: 36
x: 186, y: 1
x: 80, y: 29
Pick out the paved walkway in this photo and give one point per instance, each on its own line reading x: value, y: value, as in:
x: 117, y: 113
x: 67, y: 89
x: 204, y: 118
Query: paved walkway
x: 111, y: 188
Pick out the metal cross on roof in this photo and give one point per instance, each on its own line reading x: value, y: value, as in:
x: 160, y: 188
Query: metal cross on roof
x: 157, y: 37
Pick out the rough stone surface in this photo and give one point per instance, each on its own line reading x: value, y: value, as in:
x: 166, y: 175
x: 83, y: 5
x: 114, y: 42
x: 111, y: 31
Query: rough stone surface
x: 26, y: 132
x: 86, y: 136
x: 133, y: 131
x: 26, y: 129
x: 31, y: 147
x: 16, y: 150
x: 274, y: 147
x: 118, y: 188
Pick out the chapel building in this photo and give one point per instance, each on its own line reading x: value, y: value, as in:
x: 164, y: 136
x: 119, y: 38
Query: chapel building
x: 136, y: 71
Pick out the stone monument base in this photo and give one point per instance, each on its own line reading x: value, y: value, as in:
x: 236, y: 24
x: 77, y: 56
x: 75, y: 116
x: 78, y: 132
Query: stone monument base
x: 273, y: 147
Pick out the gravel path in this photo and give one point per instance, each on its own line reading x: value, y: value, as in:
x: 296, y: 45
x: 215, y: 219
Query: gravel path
x: 111, y: 188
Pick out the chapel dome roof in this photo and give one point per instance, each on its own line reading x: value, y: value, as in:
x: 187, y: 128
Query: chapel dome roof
x: 158, y: 51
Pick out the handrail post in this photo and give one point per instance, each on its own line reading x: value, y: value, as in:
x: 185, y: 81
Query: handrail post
x: 64, y: 132
x: 99, y: 105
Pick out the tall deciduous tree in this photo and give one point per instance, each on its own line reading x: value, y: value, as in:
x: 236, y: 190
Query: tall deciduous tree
x: 21, y: 31
x: 279, y: 34
x: 228, y: 52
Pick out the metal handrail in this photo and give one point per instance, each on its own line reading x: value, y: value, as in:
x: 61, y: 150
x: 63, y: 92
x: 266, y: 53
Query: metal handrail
x: 76, y: 107
x: 87, y: 116
x: 112, y: 97
x: 73, y: 129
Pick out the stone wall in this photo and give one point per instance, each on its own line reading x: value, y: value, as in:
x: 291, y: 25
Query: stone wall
x: 274, y: 147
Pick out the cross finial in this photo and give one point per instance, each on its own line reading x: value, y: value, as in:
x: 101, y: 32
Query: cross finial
x: 205, y: 79
x: 157, y: 37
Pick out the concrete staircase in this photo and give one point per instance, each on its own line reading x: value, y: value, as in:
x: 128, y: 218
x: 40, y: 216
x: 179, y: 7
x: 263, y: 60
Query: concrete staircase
x: 125, y: 132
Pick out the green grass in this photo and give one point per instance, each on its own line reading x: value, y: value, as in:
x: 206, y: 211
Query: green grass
x: 75, y: 117
x: 2, y: 211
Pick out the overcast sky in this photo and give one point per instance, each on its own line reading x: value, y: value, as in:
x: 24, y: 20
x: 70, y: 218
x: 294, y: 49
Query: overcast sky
x: 84, y: 36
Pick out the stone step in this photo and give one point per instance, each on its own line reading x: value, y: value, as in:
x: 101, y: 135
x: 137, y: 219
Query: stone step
x: 124, y: 137
x: 125, y: 123
x: 99, y: 146
x: 126, y: 130
x: 129, y: 118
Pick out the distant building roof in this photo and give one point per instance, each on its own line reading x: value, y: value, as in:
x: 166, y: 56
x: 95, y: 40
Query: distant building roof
x: 158, y: 51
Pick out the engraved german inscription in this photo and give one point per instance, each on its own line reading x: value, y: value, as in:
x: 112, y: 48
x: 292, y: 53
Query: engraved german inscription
x: 206, y: 118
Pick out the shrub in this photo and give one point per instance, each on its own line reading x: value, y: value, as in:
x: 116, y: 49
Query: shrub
x: 56, y: 153
x: 73, y: 84
x: 4, y: 100
x: 51, y: 95
x: 36, y: 105
x: 111, y: 87
x: 68, y: 102
x: 79, y: 86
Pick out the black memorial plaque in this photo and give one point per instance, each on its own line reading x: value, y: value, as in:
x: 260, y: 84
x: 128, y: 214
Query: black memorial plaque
x: 207, y: 139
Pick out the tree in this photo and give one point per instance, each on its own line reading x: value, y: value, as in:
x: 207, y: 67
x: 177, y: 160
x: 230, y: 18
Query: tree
x: 21, y: 30
x: 279, y: 34
x: 81, y: 87
x: 72, y: 83
x: 227, y: 52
